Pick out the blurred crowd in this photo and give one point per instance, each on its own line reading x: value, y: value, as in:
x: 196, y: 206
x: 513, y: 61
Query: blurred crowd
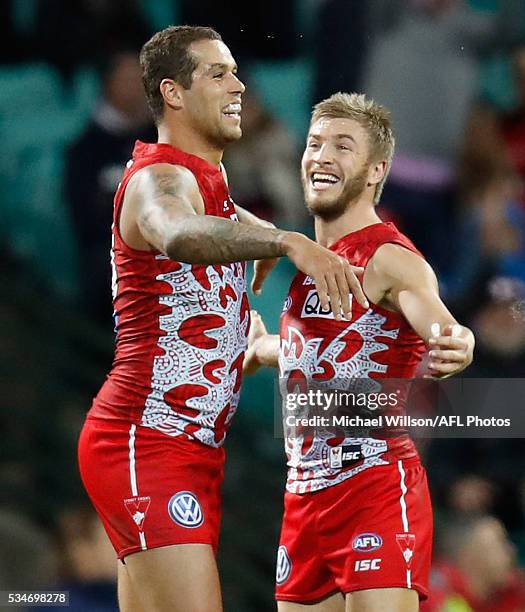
x: 452, y: 73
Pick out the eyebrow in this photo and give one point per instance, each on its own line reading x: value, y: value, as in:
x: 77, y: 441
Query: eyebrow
x: 221, y: 66
x: 337, y: 136
x: 346, y: 136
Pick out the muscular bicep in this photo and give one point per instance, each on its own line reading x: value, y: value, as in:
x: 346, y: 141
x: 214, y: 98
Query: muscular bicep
x: 163, y: 195
x: 414, y: 291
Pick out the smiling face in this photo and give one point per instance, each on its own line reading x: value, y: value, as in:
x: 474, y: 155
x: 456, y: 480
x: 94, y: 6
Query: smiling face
x: 335, y: 166
x: 213, y: 102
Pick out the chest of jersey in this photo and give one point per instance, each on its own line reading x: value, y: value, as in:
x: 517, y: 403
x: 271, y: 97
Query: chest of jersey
x: 317, y: 347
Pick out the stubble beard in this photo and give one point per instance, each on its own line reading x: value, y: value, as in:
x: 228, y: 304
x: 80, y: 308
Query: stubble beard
x: 217, y: 134
x: 331, y: 210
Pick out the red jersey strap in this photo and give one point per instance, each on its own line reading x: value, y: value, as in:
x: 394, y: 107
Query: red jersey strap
x: 209, y: 178
x: 358, y: 247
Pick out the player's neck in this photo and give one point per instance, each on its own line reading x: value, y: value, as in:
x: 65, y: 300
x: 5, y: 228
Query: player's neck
x: 357, y: 216
x: 187, y: 140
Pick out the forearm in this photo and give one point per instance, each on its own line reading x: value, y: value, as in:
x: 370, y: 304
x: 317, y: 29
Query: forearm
x: 245, y: 216
x: 425, y: 312
x: 212, y: 240
x: 267, y: 350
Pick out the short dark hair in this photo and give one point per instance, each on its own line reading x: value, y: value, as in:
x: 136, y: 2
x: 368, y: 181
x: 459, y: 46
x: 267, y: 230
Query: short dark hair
x: 166, y: 56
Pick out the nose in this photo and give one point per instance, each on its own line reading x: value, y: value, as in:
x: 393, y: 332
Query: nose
x: 322, y: 155
x: 238, y: 86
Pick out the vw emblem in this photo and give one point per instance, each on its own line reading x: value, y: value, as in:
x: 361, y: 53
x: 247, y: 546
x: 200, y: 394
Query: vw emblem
x: 284, y: 566
x: 185, y: 510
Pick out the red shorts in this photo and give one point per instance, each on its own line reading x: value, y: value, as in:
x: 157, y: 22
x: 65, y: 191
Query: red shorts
x: 371, y: 531
x: 149, y: 489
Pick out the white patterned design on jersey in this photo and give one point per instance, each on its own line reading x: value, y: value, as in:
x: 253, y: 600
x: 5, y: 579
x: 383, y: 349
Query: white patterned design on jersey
x: 183, y: 364
x: 310, y: 470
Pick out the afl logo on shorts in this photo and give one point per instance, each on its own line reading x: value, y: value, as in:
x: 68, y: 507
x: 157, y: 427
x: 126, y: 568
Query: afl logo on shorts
x: 367, y: 542
x: 185, y: 510
x: 284, y: 566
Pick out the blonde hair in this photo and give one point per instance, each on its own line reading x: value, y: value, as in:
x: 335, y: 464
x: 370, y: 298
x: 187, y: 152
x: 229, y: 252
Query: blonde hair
x: 374, y: 118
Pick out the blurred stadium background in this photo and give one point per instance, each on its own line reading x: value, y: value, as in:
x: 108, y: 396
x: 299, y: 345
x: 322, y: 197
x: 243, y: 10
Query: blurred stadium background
x: 71, y: 106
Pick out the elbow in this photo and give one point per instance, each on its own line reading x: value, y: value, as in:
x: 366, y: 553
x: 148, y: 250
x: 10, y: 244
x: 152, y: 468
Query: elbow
x: 185, y: 247
x: 180, y: 242
x: 177, y: 249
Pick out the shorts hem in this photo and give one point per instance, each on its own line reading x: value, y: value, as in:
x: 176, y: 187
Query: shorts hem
x: 312, y: 599
x: 421, y: 591
x: 308, y: 599
x: 136, y: 549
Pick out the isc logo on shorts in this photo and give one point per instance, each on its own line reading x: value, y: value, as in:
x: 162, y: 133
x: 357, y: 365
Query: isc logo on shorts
x: 367, y: 542
x: 185, y: 510
x: 284, y: 566
x: 367, y: 565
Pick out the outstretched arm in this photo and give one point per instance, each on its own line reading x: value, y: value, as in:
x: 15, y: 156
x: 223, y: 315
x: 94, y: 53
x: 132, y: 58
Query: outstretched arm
x: 169, y: 214
x: 170, y: 217
x: 411, y: 287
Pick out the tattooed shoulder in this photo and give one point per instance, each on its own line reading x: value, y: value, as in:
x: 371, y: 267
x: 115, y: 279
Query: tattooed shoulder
x: 172, y: 181
x: 164, y: 184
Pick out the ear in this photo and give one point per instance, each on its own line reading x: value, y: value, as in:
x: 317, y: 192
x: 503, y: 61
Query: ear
x: 171, y: 92
x: 376, y: 172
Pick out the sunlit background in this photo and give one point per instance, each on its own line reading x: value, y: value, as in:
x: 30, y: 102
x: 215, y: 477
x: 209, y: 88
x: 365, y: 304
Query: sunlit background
x: 71, y: 107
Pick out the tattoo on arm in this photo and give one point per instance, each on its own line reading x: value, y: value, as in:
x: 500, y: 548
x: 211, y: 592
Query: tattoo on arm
x: 211, y: 240
x: 166, y: 185
x: 171, y: 222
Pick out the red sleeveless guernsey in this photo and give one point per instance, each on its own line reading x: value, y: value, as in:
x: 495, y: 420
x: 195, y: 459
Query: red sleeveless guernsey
x: 181, y: 328
x: 316, y: 349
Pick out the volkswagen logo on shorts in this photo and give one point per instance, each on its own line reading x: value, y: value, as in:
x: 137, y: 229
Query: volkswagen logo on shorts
x: 284, y: 566
x: 367, y: 542
x: 185, y: 510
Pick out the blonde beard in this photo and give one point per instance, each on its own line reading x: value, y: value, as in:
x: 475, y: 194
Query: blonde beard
x: 353, y: 188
